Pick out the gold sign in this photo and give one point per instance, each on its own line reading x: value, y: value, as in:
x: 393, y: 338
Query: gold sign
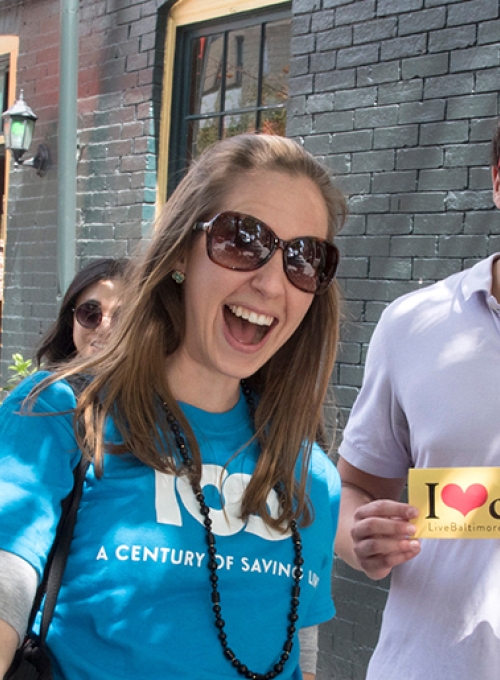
x: 456, y: 502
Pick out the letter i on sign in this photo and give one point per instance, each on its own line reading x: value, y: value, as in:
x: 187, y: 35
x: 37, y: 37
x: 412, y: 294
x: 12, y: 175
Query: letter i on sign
x: 432, y: 500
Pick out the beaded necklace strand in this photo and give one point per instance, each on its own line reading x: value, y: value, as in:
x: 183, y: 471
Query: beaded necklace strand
x: 212, y: 563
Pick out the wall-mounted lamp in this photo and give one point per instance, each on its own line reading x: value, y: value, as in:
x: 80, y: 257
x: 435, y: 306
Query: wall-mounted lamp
x: 19, y: 124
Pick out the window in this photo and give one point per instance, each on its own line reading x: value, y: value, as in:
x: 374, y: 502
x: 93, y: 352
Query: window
x: 230, y: 76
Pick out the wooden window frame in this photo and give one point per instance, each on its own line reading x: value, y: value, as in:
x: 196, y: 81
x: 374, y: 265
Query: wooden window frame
x: 184, y: 13
x: 9, y: 44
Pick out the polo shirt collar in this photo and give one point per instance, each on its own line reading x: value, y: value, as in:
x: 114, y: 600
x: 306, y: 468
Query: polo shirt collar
x: 479, y: 277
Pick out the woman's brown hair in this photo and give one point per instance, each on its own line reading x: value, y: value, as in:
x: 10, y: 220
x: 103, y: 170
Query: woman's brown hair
x: 130, y: 381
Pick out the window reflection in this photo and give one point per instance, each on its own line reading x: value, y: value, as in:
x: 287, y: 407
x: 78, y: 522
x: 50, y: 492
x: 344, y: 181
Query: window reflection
x: 238, y: 82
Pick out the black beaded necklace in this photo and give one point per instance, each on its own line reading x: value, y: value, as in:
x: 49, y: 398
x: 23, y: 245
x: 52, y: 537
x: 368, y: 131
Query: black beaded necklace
x: 212, y: 563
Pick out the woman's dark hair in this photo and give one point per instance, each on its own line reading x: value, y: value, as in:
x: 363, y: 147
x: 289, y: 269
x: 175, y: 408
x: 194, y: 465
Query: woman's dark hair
x: 57, y: 344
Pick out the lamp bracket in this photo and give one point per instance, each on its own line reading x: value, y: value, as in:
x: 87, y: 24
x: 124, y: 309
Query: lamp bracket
x: 39, y: 161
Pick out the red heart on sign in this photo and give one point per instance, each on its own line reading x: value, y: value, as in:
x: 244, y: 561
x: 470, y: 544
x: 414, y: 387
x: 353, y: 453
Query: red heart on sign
x: 464, y: 501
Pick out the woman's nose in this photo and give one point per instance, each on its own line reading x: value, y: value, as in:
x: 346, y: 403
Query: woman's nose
x: 271, y: 279
x: 105, y: 325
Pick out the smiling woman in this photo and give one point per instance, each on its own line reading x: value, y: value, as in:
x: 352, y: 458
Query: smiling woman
x: 222, y: 347
x: 200, y: 423
x: 86, y: 312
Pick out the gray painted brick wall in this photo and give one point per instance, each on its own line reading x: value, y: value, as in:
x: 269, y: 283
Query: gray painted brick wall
x: 399, y: 98
x: 118, y: 113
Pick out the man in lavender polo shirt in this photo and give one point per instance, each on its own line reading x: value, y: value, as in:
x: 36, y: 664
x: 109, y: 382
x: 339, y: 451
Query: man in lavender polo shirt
x: 430, y: 398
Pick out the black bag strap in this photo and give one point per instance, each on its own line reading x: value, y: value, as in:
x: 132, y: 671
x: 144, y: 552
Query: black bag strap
x: 54, y: 570
x: 58, y: 556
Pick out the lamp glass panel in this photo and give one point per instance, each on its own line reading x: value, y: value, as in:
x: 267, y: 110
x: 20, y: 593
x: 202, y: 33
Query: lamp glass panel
x: 6, y: 131
x: 17, y: 128
x: 21, y: 133
x: 28, y: 134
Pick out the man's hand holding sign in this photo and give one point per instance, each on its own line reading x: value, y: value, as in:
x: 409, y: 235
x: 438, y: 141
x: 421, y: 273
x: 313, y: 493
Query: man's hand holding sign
x: 381, y: 534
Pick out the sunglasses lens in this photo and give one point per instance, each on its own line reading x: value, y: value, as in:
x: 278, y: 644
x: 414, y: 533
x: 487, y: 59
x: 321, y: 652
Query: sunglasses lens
x: 311, y: 264
x: 243, y: 243
x: 89, y: 315
x: 239, y: 242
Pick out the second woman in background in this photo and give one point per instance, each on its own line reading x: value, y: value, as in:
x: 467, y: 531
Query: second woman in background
x: 87, y: 312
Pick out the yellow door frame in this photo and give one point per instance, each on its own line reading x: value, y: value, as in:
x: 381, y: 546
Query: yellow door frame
x: 9, y: 44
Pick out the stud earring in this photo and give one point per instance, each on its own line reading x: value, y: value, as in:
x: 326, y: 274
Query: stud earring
x: 178, y: 277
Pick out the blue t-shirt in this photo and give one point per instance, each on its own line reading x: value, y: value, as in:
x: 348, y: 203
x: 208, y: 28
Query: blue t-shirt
x: 135, y: 601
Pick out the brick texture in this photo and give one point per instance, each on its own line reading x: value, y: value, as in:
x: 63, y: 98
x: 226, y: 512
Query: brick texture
x: 116, y: 170
x: 399, y: 98
x: 406, y: 132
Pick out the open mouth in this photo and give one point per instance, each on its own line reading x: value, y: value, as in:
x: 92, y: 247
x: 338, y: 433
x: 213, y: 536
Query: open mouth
x: 245, y: 326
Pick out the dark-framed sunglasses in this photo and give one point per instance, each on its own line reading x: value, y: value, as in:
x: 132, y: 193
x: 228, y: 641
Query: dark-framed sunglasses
x: 244, y: 243
x: 89, y: 315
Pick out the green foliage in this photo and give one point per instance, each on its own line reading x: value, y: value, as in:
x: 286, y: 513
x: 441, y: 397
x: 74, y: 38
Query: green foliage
x: 21, y: 368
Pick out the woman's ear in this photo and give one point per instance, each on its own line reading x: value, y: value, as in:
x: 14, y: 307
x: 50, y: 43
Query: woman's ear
x: 181, y: 263
x: 69, y: 315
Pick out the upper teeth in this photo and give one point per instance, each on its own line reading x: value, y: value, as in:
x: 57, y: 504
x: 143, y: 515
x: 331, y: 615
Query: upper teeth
x: 252, y: 317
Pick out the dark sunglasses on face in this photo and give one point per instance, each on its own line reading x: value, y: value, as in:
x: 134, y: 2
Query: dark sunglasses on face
x: 89, y: 315
x: 244, y: 243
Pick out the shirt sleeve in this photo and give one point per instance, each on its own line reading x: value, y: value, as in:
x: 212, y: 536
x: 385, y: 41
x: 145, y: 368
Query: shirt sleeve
x: 308, y: 649
x: 376, y: 438
x: 38, y: 452
x: 326, y: 504
x: 18, y: 583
